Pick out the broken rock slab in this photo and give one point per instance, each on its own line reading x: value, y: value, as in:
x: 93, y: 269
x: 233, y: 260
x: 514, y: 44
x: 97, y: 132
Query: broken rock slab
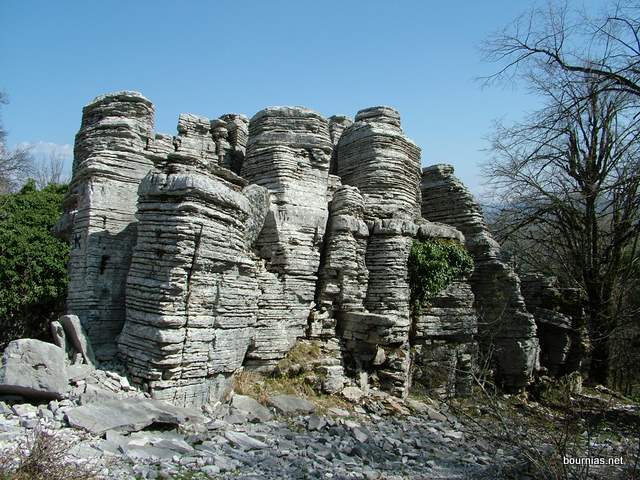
x: 255, y: 411
x: 129, y: 415
x: 290, y: 404
x: 59, y: 337
x: 76, y: 333
x: 33, y: 369
x: 244, y: 441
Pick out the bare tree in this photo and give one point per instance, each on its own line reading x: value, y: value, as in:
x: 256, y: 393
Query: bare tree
x: 604, y: 47
x: 15, y: 165
x: 568, y: 182
x: 567, y: 178
x: 49, y: 170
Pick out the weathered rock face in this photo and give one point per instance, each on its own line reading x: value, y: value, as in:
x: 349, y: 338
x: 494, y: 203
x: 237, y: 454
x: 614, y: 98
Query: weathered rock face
x: 237, y: 136
x: 34, y: 369
x: 444, y: 346
x: 504, y: 324
x: 343, y: 278
x: 288, y: 153
x: 560, y: 320
x: 192, y: 289
x: 375, y: 156
x: 214, y: 240
x: 337, y: 126
x: 109, y: 163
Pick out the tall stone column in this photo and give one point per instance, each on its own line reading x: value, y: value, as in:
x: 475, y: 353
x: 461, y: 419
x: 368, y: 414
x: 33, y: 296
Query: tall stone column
x: 374, y: 155
x: 506, y: 329
x: 109, y: 163
x: 288, y: 153
x: 192, y: 288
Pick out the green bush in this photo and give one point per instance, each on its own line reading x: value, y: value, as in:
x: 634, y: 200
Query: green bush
x: 433, y: 265
x: 33, y: 263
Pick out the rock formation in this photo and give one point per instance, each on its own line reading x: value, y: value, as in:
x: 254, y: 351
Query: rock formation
x: 288, y: 153
x: 109, y: 163
x: 191, y: 289
x: 218, y: 248
x: 444, y: 344
x: 505, y: 327
x: 560, y: 320
x: 343, y: 277
x: 375, y: 156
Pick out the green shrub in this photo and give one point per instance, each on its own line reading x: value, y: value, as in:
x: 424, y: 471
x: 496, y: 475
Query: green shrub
x: 33, y: 263
x: 433, y: 265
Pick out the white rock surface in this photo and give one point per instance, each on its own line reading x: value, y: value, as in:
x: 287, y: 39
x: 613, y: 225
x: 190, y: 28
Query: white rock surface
x: 33, y: 369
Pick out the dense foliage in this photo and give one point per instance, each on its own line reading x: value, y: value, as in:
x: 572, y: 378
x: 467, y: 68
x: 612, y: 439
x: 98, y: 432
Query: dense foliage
x: 433, y: 265
x: 33, y: 263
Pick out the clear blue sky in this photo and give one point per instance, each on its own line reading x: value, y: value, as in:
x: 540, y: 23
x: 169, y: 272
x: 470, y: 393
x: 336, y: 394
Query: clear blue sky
x: 214, y: 57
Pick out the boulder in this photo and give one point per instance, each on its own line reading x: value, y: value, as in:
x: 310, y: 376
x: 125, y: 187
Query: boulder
x: 289, y: 404
x: 33, y: 369
x: 255, y: 411
x: 59, y: 337
x: 128, y: 415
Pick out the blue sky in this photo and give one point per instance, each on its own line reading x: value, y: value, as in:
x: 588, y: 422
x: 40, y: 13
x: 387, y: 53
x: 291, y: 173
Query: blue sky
x: 214, y: 57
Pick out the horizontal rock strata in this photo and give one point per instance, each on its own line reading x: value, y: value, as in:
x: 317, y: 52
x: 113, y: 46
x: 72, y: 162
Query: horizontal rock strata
x: 217, y: 248
x: 343, y: 277
x: 505, y: 326
x: 375, y: 156
x: 288, y: 153
x: 109, y: 163
x: 192, y: 288
x: 443, y: 340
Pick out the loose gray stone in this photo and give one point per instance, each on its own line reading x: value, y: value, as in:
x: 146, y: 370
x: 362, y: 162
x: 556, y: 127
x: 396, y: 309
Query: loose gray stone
x: 78, y: 372
x: 79, y: 339
x: 33, y: 369
x: 59, y: 337
x: 255, y: 411
x: 353, y: 394
x: 435, y: 415
x: 244, y: 441
x: 128, y: 415
x: 289, y: 404
x: 316, y: 422
x: 25, y: 410
x: 360, y: 435
x: 175, y: 444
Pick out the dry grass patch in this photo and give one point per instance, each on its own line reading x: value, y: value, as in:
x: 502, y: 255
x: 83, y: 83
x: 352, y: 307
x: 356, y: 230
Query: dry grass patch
x: 42, y: 456
x: 293, y: 375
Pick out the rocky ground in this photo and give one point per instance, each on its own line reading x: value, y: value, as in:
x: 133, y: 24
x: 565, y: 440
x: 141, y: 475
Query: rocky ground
x: 244, y: 439
x: 279, y: 426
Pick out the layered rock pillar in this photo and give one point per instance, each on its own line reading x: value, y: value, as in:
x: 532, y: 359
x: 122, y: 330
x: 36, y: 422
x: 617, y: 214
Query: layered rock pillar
x: 374, y: 155
x: 506, y: 329
x: 288, y: 153
x: 343, y: 277
x: 192, y: 289
x: 109, y: 163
